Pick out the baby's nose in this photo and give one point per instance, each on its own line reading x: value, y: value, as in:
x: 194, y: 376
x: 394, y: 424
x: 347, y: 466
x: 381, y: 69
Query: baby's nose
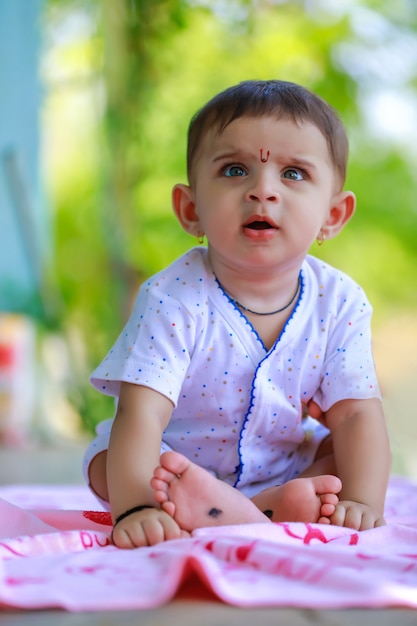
x: 264, y: 188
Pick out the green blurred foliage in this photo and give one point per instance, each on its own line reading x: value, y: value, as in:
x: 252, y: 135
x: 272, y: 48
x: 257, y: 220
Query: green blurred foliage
x: 146, y: 67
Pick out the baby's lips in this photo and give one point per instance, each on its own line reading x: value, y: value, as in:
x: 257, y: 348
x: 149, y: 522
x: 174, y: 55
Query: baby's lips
x: 260, y: 222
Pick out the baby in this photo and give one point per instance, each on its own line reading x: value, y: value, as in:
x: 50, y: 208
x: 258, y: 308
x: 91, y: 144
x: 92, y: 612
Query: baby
x: 245, y: 383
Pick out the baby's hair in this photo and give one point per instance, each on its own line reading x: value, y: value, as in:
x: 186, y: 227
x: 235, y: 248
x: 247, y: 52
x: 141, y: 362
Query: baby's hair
x: 275, y: 98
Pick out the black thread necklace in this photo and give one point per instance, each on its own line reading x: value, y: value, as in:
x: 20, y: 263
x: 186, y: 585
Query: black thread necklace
x: 245, y: 308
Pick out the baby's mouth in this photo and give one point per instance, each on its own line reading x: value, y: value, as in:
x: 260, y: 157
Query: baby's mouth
x: 258, y: 222
x: 259, y: 228
x: 259, y: 225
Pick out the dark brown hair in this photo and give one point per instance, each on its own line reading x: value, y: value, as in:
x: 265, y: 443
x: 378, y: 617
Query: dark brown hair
x: 275, y: 98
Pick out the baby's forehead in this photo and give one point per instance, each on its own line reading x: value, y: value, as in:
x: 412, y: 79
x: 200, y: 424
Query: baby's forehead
x: 248, y: 129
x: 219, y: 116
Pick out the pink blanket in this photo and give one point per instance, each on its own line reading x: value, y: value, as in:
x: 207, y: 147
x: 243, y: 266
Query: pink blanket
x: 55, y: 552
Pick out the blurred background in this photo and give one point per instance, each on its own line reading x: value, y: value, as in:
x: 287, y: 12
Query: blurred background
x: 96, y: 97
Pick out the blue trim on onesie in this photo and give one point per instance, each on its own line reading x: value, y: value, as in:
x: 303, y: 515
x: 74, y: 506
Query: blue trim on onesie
x: 247, y: 416
x: 236, y: 308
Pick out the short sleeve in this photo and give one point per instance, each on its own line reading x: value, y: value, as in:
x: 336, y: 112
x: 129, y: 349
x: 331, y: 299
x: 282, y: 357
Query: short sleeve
x: 349, y: 370
x: 154, y: 348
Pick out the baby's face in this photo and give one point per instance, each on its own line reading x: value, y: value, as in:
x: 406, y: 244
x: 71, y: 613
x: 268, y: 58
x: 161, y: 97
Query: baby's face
x: 262, y: 189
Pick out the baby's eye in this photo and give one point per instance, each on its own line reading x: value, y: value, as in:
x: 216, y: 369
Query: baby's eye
x: 234, y: 170
x: 294, y: 174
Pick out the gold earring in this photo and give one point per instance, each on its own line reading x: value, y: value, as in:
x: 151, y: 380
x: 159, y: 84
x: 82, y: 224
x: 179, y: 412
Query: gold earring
x: 200, y: 239
x: 321, y: 237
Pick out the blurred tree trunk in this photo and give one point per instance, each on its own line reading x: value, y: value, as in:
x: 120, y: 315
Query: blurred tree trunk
x: 133, y: 31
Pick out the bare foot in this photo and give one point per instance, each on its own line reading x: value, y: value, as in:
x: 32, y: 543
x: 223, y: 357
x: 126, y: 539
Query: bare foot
x: 309, y: 500
x: 195, y: 498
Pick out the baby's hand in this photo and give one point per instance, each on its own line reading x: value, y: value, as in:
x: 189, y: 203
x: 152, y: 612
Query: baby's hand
x: 146, y: 528
x: 356, y: 515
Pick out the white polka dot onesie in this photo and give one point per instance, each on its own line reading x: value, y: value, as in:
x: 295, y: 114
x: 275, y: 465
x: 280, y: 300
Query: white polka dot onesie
x: 239, y: 409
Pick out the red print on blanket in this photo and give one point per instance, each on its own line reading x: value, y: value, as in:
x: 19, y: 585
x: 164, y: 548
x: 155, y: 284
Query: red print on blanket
x: 313, y: 532
x: 99, y: 517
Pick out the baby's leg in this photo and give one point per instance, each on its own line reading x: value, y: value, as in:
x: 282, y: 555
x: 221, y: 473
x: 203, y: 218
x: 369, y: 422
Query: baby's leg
x: 95, y: 462
x: 97, y: 477
x: 195, y: 498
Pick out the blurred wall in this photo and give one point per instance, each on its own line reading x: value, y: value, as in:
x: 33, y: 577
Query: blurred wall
x: 22, y: 211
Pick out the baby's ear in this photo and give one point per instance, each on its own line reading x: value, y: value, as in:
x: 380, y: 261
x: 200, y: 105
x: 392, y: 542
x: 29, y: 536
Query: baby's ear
x: 184, y: 208
x: 342, y: 209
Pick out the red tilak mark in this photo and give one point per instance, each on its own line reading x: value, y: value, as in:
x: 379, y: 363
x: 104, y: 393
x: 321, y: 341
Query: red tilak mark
x: 263, y: 159
x: 99, y: 517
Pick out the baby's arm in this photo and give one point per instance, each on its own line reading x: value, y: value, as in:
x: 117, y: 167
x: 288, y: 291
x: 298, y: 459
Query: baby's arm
x: 134, y: 451
x: 363, y: 461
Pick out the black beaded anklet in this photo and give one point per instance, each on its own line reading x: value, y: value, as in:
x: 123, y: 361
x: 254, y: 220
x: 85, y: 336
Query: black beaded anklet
x: 135, y: 509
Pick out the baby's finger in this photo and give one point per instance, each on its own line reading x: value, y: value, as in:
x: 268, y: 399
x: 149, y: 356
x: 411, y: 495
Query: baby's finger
x: 354, y: 518
x: 338, y: 517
